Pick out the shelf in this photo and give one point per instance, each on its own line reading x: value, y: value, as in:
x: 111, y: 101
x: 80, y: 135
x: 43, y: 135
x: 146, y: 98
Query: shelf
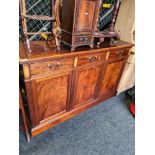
x: 38, y: 17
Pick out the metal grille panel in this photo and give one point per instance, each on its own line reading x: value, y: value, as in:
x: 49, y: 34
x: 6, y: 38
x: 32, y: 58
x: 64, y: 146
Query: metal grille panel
x: 106, y: 14
x: 42, y: 7
x: 37, y: 7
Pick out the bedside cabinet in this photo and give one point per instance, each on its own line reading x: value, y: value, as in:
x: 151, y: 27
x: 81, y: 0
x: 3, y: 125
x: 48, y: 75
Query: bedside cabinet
x: 79, y: 22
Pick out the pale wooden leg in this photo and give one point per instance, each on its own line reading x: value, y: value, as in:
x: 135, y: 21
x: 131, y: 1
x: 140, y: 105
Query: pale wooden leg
x: 28, y: 45
x: 73, y: 48
x: 98, y: 44
x: 92, y: 46
x: 57, y: 43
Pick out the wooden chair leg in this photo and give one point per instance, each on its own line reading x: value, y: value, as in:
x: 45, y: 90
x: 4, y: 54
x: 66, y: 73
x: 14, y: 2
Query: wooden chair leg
x: 21, y: 106
x: 57, y: 43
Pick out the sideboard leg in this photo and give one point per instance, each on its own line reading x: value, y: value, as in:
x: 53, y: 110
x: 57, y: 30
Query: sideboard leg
x: 25, y: 120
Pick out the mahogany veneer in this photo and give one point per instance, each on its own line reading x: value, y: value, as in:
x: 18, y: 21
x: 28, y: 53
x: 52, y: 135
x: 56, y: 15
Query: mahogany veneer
x: 79, y: 22
x: 62, y: 84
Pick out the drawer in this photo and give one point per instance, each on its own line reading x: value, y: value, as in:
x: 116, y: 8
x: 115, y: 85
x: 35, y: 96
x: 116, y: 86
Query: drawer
x: 83, y: 39
x: 91, y: 58
x: 118, y: 54
x: 51, y: 67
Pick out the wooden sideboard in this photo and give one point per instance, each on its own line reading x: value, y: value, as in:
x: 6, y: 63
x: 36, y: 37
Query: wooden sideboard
x: 62, y: 84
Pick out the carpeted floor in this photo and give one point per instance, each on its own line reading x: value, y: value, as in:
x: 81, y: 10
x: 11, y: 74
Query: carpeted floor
x: 107, y: 129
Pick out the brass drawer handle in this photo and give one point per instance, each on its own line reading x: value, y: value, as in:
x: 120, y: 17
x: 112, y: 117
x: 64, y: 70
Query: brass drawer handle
x: 83, y: 39
x: 49, y: 66
x: 58, y: 64
x: 119, y: 53
x: 92, y: 59
x: 54, y: 67
x: 86, y: 39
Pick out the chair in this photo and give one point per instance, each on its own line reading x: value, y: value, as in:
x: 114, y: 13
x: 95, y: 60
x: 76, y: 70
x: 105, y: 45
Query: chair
x: 55, y: 22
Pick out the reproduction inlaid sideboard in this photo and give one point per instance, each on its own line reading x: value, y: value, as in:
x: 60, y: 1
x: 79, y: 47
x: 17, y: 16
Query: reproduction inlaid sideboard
x: 62, y: 84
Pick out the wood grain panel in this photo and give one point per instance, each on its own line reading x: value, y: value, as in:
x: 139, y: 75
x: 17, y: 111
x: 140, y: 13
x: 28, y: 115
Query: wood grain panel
x: 85, y: 15
x: 51, y: 67
x: 117, y: 54
x: 110, y: 77
x: 52, y: 96
x: 86, y: 84
x: 45, y: 126
x: 91, y: 59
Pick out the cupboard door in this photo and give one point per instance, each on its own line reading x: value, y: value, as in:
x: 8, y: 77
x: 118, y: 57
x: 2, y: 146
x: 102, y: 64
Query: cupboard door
x: 86, y: 81
x: 110, y: 77
x: 52, y: 95
x: 85, y: 12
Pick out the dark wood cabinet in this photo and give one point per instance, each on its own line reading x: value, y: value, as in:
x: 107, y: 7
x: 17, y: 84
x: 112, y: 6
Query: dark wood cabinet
x: 49, y: 97
x: 79, y: 22
x: 84, y: 16
x: 52, y: 95
x: 49, y: 90
x: 110, y: 76
x: 85, y: 84
x: 62, y: 84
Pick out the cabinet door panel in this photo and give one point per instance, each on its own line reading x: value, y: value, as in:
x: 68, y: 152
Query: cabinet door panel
x: 52, y: 95
x: 86, y: 84
x: 84, y: 15
x: 110, y: 77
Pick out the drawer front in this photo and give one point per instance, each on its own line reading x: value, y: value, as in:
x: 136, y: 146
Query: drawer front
x: 51, y: 67
x: 118, y: 54
x: 91, y: 58
x: 83, y: 39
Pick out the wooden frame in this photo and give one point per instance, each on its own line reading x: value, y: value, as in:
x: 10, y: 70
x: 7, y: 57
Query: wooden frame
x: 54, y: 18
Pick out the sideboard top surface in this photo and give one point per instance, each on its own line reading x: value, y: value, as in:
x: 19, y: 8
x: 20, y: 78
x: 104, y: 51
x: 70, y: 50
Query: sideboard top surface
x: 42, y: 50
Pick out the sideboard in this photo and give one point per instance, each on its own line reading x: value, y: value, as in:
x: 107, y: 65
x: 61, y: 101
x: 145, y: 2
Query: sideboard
x: 62, y: 84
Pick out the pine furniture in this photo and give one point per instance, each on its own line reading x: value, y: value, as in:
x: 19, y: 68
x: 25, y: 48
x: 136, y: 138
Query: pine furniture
x: 125, y: 26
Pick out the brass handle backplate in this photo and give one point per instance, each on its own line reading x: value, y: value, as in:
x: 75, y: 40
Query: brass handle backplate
x: 91, y: 59
x: 53, y: 67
